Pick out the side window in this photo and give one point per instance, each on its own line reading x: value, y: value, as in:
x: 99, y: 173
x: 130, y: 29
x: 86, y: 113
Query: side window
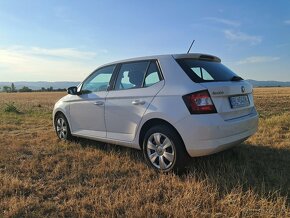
x: 98, y: 81
x: 202, y: 73
x: 131, y: 75
x: 152, y: 76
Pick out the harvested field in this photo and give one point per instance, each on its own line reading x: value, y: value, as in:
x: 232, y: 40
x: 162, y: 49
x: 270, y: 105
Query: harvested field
x: 42, y: 176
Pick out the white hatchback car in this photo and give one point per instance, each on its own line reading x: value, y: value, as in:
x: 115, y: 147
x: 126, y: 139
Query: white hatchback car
x: 171, y: 106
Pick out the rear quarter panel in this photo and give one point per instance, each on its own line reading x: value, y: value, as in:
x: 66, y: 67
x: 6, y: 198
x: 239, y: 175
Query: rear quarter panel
x: 168, y: 104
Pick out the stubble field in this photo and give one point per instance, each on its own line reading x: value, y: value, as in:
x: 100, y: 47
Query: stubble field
x: 41, y: 176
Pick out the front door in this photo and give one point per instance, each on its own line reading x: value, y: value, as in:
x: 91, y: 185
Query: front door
x: 87, y: 110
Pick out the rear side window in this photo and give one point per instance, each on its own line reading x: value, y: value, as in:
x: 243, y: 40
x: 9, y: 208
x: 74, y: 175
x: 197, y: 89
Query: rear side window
x: 205, y: 71
x: 137, y: 75
x: 131, y: 75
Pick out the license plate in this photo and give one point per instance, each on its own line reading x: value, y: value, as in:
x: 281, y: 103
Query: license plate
x: 239, y: 101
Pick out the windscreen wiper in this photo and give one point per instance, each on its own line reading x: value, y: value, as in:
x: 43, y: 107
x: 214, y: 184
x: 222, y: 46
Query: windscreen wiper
x: 236, y: 78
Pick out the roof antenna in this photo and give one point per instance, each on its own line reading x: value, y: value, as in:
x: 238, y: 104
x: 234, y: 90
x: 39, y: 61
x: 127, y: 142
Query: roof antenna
x: 190, y: 46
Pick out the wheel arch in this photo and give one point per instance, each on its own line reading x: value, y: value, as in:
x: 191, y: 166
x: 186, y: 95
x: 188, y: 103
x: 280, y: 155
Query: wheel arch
x: 154, y: 122
x: 58, y: 112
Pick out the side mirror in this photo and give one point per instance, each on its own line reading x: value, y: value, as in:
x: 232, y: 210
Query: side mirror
x: 72, y: 90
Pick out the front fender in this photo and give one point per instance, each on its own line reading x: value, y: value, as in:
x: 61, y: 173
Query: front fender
x: 61, y: 106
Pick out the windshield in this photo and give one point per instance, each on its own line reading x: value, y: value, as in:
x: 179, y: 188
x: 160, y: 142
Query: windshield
x: 206, y: 71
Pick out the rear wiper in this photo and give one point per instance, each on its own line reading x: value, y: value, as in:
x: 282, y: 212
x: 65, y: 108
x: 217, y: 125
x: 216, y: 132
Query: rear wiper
x: 236, y: 78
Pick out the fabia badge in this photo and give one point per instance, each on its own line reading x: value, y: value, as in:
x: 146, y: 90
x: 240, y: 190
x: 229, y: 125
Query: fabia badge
x: 243, y: 89
x: 217, y: 92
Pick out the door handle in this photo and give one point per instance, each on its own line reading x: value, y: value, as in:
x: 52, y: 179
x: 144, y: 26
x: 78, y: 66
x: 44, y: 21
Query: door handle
x: 99, y: 103
x: 138, y: 102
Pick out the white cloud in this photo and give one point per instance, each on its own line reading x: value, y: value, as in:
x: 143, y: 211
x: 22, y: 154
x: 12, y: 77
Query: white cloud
x: 258, y: 59
x: 287, y: 22
x: 35, y: 63
x: 63, y: 52
x: 242, y: 37
x: 54, y: 52
x: 223, y: 21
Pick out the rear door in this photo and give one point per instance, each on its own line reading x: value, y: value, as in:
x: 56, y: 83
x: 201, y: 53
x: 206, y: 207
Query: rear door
x: 135, y: 87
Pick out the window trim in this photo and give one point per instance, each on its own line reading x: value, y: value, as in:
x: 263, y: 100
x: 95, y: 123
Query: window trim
x: 159, y: 69
x: 144, y: 76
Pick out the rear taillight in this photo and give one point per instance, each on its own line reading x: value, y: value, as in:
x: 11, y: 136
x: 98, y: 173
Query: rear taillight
x: 199, y: 103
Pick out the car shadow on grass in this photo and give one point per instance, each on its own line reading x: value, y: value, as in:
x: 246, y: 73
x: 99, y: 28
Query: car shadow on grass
x: 134, y: 154
x: 260, y: 168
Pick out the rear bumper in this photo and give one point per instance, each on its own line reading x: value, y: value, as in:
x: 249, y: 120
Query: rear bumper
x: 208, y: 134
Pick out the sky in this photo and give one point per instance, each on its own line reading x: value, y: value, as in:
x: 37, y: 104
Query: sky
x: 65, y: 40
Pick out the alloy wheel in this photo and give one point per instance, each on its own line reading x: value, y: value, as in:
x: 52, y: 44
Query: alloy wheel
x: 160, y: 151
x: 61, y: 128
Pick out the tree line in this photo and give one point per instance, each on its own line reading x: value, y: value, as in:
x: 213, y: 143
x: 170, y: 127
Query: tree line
x: 12, y: 88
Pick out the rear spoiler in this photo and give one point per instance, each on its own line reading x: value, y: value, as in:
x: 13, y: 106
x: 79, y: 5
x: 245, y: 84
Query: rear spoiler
x: 204, y: 57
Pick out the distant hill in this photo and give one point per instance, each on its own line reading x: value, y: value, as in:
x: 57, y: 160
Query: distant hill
x: 39, y: 85
x: 256, y: 83
x: 64, y: 84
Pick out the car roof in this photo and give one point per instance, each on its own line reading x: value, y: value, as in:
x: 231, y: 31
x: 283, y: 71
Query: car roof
x: 198, y: 56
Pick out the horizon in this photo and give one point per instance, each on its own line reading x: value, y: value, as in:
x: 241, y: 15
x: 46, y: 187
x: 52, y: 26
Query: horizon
x: 65, y: 41
x: 71, y: 81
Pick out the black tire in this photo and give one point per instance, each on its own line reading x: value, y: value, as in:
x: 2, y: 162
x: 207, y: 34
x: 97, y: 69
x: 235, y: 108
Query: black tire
x: 61, y: 127
x: 167, y: 157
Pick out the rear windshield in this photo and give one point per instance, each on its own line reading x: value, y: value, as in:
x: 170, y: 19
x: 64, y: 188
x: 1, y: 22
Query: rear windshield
x: 206, y: 71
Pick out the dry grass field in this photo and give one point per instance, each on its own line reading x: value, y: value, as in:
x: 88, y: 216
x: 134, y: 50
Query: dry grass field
x: 41, y: 176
